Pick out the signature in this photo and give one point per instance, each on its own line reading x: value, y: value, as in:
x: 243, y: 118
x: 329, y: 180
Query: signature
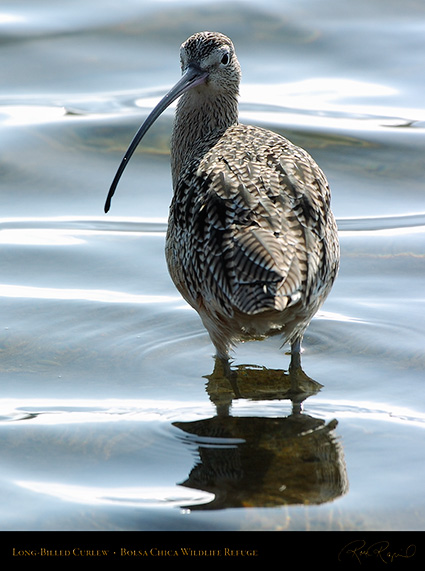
x: 359, y: 550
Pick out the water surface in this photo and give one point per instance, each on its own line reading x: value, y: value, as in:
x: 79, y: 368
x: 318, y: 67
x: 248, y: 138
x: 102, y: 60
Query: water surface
x: 108, y: 411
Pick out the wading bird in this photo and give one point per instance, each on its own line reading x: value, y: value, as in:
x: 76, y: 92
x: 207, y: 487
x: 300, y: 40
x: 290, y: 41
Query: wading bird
x: 252, y: 243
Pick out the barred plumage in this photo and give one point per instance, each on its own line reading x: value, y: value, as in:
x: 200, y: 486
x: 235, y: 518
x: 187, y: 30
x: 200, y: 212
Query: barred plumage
x: 252, y: 242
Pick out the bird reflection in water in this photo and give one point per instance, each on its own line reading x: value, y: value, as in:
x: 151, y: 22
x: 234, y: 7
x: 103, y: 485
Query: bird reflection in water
x: 264, y: 461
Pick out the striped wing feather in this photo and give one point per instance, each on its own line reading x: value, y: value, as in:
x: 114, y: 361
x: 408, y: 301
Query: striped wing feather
x: 248, y: 221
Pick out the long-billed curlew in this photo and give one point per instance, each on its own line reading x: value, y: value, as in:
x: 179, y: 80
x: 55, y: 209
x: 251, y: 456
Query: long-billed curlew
x: 252, y: 243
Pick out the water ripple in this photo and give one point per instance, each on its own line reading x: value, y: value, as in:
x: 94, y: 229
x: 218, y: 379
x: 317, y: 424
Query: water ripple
x: 124, y: 496
x: 376, y: 223
x: 77, y: 411
x: 86, y: 224
x: 44, y: 230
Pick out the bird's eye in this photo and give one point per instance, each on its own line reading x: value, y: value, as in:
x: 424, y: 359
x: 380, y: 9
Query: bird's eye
x: 225, y: 59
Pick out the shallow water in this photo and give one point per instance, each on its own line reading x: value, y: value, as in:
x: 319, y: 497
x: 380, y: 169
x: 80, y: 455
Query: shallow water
x: 107, y: 418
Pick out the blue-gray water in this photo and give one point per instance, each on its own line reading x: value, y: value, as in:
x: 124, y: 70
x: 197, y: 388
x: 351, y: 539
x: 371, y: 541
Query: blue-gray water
x: 106, y: 418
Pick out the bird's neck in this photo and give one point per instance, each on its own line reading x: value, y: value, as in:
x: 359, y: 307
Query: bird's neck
x: 201, y: 119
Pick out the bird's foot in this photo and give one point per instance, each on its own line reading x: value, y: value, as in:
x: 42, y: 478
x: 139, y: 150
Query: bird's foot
x: 222, y: 385
x: 302, y: 386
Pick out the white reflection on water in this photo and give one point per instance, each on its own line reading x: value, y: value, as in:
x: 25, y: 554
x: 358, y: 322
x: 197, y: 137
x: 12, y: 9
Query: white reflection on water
x: 57, y: 412
x: 10, y: 18
x: 376, y: 411
x: 80, y: 225
x: 384, y: 232
x: 30, y: 114
x: 55, y: 237
x: 39, y: 237
x: 332, y: 316
x: 153, y: 496
x: 95, y: 295
x: 77, y: 411
x: 334, y: 102
x: 320, y: 93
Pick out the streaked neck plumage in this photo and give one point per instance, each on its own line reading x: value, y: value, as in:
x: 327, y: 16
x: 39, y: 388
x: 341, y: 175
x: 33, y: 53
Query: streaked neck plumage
x: 202, y: 116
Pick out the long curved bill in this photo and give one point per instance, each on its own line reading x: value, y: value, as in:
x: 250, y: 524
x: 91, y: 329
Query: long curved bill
x: 193, y: 76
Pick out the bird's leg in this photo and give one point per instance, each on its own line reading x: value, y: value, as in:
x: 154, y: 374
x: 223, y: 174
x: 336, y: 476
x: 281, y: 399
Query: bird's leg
x: 295, y: 355
x: 302, y: 386
x: 222, y: 385
x: 294, y: 372
x: 222, y: 365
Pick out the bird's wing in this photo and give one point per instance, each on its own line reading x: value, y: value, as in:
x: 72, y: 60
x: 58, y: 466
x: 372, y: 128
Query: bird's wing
x: 254, y: 219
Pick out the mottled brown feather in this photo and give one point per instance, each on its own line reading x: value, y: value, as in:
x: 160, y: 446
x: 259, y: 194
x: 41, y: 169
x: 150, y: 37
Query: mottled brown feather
x: 252, y: 243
